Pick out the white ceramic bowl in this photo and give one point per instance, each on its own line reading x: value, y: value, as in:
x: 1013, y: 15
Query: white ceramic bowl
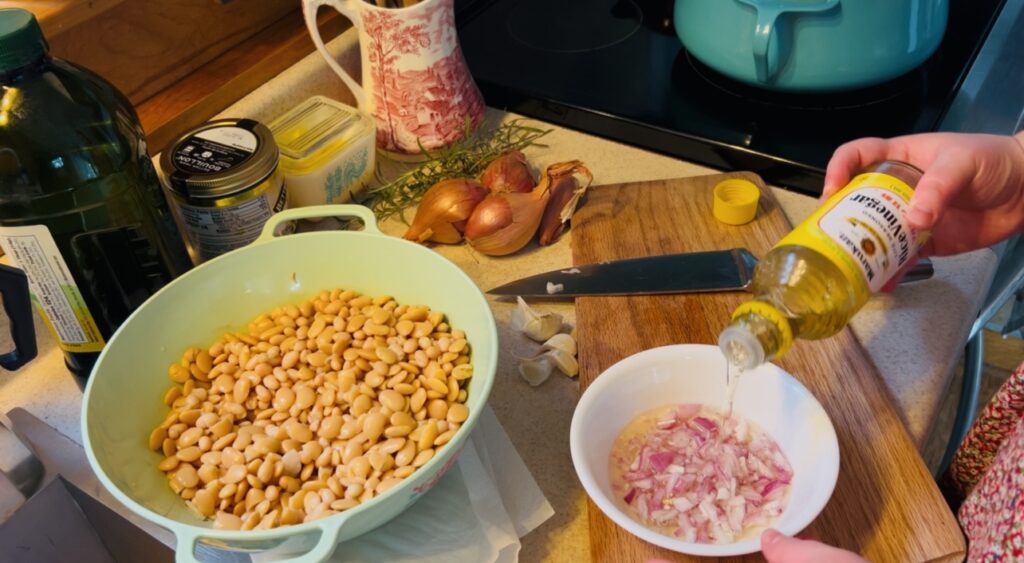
x: 691, y: 373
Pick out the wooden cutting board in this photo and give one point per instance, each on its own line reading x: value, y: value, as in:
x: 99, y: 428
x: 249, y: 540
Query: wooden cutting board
x: 886, y: 505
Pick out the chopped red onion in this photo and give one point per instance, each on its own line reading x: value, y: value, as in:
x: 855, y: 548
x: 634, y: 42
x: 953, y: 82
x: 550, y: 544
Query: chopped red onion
x: 701, y: 478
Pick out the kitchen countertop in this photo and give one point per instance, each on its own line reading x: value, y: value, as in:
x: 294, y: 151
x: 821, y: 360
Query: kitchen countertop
x: 913, y: 335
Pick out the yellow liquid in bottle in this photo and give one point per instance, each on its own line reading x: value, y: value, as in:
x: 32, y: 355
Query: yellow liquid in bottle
x: 819, y: 276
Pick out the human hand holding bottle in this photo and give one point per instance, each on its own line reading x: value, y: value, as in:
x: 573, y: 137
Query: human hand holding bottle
x: 972, y: 192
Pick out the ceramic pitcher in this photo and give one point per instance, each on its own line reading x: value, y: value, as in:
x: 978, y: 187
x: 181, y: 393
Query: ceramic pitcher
x: 415, y: 80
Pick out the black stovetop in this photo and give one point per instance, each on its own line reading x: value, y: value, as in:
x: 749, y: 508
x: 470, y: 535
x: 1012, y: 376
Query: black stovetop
x: 616, y: 68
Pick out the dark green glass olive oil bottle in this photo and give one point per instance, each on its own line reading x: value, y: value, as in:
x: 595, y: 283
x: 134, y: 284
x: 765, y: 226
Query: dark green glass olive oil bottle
x: 81, y: 210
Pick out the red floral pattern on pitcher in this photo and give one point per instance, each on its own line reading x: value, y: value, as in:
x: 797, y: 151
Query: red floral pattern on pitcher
x: 422, y: 91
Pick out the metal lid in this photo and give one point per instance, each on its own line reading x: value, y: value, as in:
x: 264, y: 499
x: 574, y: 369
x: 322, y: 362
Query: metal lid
x: 220, y: 158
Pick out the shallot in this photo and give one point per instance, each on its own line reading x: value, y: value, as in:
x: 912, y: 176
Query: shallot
x: 505, y: 222
x: 508, y: 173
x: 699, y: 477
x: 444, y: 210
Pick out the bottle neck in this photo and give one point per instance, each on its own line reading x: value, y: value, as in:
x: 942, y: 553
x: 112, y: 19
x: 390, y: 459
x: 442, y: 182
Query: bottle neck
x: 755, y: 336
x: 34, y: 66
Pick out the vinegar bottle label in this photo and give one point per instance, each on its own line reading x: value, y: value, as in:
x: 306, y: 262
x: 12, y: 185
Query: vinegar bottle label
x: 862, y: 230
x: 54, y: 292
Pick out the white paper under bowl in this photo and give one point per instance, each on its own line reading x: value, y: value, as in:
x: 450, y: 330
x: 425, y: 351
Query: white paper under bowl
x: 692, y: 373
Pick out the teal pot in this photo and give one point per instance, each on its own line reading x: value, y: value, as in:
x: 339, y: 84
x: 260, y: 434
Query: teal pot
x: 123, y: 400
x: 811, y: 45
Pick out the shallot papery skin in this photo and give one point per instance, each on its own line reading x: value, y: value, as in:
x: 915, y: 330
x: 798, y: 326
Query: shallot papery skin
x: 702, y: 479
x: 565, y: 197
x: 551, y: 224
x: 442, y: 213
x: 508, y: 173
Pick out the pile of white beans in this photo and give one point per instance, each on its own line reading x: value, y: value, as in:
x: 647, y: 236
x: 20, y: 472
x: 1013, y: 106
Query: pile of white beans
x: 318, y: 407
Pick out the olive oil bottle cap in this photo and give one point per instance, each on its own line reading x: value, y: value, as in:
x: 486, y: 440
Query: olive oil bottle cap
x: 21, y: 40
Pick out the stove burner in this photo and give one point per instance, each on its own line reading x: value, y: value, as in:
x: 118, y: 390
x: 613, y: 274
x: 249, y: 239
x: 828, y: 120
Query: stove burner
x: 573, y: 26
x: 906, y: 86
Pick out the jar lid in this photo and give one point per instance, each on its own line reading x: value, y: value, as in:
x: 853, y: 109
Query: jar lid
x: 21, y: 40
x: 315, y: 130
x: 220, y: 158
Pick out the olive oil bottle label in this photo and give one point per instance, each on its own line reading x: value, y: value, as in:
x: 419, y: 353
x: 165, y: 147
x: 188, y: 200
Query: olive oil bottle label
x: 54, y: 291
x: 862, y: 230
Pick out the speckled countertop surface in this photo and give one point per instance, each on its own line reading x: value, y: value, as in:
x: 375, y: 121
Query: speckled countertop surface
x: 914, y: 335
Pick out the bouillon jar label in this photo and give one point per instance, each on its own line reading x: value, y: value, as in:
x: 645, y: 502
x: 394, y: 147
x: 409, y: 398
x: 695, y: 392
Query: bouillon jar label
x: 54, y: 292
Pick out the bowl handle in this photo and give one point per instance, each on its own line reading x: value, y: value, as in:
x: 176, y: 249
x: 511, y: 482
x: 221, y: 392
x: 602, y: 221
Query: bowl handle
x: 340, y: 210
x: 325, y: 544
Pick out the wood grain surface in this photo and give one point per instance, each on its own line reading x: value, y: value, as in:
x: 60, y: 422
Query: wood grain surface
x: 221, y: 82
x: 144, y: 46
x: 886, y: 505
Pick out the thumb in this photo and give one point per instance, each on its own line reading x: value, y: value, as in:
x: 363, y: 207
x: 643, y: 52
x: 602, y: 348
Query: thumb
x: 950, y: 174
x: 778, y: 548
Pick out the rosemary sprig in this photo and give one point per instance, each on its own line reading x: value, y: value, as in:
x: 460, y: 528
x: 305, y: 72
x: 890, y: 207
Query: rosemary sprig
x: 465, y: 158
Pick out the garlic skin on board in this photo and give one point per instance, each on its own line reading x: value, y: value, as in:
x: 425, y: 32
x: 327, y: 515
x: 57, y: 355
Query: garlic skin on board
x: 538, y: 326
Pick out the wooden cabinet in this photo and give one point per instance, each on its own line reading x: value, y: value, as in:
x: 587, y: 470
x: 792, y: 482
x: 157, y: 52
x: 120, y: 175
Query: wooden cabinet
x: 179, y: 61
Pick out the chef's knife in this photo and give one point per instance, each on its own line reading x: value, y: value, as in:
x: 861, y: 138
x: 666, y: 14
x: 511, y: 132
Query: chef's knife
x: 690, y: 272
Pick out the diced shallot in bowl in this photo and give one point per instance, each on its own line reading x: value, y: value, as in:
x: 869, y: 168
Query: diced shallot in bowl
x: 692, y: 473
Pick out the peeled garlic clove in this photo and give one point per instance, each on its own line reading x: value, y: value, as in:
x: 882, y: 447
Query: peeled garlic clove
x: 563, y: 342
x: 538, y: 326
x: 564, y: 361
x: 535, y: 370
x: 545, y: 327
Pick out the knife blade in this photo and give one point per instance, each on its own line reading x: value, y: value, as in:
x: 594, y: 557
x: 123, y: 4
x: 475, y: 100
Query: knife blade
x: 688, y: 272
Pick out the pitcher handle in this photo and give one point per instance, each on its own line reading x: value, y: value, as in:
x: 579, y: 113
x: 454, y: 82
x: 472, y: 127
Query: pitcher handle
x: 347, y: 9
x: 18, y: 305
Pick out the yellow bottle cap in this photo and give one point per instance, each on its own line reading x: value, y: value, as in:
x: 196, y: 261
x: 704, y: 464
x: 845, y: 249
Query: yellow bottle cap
x: 735, y: 201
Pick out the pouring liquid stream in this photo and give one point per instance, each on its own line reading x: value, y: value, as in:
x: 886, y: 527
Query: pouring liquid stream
x: 732, y: 381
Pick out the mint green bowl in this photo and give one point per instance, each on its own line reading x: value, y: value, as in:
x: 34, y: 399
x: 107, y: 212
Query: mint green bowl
x: 123, y: 400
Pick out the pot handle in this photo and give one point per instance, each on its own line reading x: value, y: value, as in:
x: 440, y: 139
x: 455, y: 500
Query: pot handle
x: 339, y: 210
x: 346, y: 8
x: 18, y: 304
x: 766, y: 42
x: 325, y: 544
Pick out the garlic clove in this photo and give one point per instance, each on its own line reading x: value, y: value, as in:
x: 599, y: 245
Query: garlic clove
x: 537, y: 326
x: 535, y: 370
x: 563, y: 342
x: 564, y: 361
x: 545, y: 327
